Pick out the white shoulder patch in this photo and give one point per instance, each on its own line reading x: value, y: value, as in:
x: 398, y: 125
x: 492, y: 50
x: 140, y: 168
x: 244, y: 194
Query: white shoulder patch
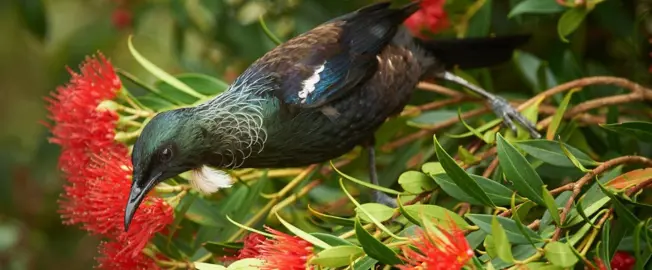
x: 208, y: 180
x: 309, y: 84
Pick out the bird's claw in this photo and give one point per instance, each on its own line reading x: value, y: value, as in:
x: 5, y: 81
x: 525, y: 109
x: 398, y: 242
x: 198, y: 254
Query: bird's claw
x: 509, y: 114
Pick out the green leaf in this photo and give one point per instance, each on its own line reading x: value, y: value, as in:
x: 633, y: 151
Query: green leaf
x: 432, y: 168
x: 303, y: 235
x: 480, y: 129
x: 208, y: 266
x: 203, y: 212
x: 371, y: 217
x: 441, y: 214
x: 331, y: 239
x: 379, y: 211
x: 366, y: 263
x: 470, y: 128
x: 542, y: 266
x: 430, y: 118
x: 560, y: 254
x: 364, y: 183
x: 464, y: 181
x: 490, y: 246
x: 247, y: 264
x: 480, y: 22
x: 33, y: 12
x: 499, y: 194
x: 551, y: 205
x: 551, y: 152
x: 570, y: 20
x: 511, y: 229
x: 416, y: 182
x: 602, y: 247
x: 332, y: 219
x: 374, y: 248
x: 535, y: 7
x: 642, y: 131
x: 572, y: 158
x: 338, y: 256
x: 518, y: 170
x: 268, y: 33
x: 503, y: 247
x: 559, y: 114
x: 160, y: 74
x: 203, y: 84
x: 517, y: 219
x: 622, y: 210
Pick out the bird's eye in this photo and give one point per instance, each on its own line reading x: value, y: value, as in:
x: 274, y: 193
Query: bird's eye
x: 166, y: 154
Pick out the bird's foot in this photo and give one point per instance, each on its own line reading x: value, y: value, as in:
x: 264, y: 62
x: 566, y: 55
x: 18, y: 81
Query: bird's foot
x: 509, y: 114
x: 382, y: 198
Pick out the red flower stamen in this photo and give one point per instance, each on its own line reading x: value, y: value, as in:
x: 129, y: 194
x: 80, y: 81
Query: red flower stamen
x: 437, y: 250
x: 285, y: 252
x: 98, y: 169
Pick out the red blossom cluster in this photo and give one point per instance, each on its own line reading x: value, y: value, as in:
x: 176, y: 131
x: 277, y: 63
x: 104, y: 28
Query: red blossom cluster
x: 430, y: 18
x: 122, y: 16
x: 283, y: 251
x: 621, y: 261
x: 435, y: 250
x: 98, y: 169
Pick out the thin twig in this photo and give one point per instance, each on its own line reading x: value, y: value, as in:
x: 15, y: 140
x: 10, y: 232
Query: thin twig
x: 576, y: 187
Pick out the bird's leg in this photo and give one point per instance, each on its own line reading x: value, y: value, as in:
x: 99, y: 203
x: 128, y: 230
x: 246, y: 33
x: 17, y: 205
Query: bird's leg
x: 499, y: 105
x: 376, y: 195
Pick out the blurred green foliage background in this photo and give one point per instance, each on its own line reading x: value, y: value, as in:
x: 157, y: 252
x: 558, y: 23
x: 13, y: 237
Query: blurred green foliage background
x: 220, y: 38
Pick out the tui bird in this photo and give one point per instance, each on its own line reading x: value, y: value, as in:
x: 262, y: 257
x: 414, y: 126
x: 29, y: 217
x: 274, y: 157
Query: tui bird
x: 309, y: 100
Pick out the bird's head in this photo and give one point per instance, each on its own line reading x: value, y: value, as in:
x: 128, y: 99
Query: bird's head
x: 167, y: 146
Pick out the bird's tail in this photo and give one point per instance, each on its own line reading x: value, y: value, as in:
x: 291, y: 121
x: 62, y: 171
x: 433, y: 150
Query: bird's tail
x: 471, y: 53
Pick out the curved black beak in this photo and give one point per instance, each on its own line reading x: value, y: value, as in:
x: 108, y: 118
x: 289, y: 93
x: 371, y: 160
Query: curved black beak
x: 136, y: 196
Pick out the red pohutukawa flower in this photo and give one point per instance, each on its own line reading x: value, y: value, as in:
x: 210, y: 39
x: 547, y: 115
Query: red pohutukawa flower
x: 622, y: 261
x: 250, y: 248
x: 285, y: 251
x: 98, y: 168
x: 431, y: 17
x: 437, y: 250
x: 114, y: 257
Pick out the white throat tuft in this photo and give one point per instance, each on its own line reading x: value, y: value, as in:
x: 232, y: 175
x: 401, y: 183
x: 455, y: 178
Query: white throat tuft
x: 208, y: 180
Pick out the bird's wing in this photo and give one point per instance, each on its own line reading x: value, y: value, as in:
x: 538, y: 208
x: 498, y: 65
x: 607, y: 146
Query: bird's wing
x: 330, y: 60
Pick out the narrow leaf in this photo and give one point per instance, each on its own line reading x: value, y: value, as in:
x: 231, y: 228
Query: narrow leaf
x: 268, y: 33
x: 373, y: 220
x: 364, y: 183
x: 560, y: 254
x: 630, y: 178
x: 518, y: 170
x: 518, y: 222
x: 303, y: 235
x: 551, y: 152
x: 379, y: 211
x: 160, y: 74
x: 561, y: 110
x: 535, y: 7
x: 503, y: 247
x: 374, y: 248
x: 511, y: 229
x: 551, y: 205
x: 640, y: 130
x: 434, y: 212
x: 464, y: 181
x: 338, y: 256
x: 570, y: 21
